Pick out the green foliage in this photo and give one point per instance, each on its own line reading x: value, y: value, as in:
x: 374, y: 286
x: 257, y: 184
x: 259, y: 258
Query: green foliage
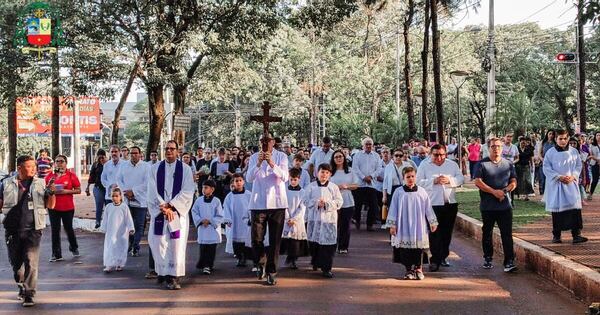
x: 525, y: 212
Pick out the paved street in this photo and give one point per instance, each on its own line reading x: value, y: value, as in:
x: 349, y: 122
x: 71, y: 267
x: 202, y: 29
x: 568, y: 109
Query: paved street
x: 366, y: 282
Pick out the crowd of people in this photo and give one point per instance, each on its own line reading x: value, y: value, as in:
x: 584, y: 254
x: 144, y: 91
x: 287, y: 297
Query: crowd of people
x: 293, y: 201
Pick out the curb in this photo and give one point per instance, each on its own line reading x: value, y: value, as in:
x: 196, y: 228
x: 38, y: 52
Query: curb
x: 580, y: 280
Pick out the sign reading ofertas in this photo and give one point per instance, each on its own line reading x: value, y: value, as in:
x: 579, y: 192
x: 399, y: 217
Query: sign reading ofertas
x: 34, y: 116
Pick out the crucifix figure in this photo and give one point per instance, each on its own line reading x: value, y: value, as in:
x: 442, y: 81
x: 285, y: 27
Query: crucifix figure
x: 265, y: 119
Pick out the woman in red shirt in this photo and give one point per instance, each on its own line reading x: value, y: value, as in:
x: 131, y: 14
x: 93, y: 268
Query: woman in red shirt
x: 67, y: 184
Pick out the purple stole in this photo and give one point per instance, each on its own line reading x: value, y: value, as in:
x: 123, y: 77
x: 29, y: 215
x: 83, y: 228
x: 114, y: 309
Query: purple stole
x: 159, y: 221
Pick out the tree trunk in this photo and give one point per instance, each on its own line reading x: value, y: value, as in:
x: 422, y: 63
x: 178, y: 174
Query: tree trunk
x: 156, y: 107
x: 55, y: 106
x: 561, y: 102
x: 179, y: 96
x: 581, y: 60
x: 424, y: 61
x: 412, y: 130
x: 114, y: 139
x: 437, y: 76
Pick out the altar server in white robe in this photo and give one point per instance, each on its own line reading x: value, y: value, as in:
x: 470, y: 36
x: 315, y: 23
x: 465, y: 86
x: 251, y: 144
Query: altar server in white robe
x: 117, y: 224
x: 236, y: 216
x: 562, y: 168
x: 323, y: 200
x: 294, y: 243
x: 268, y: 172
x: 171, y: 190
x: 208, y: 215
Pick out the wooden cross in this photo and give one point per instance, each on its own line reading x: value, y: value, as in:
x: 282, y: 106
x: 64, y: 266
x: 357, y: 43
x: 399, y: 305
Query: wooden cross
x: 265, y: 119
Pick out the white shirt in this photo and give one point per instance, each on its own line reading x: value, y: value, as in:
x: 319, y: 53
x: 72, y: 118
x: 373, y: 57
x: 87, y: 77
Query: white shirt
x: 268, y: 184
x: 392, y: 176
x: 304, y: 179
x: 440, y: 194
x: 340, y: 177
x: 317, y: 158
x: 379, y: 184
x: 510, y: 152
x: 108, y: 177
x: 366, y: 164
x: 134, y: 178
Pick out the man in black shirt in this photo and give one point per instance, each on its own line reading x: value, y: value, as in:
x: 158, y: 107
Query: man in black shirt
x: 24, y: 200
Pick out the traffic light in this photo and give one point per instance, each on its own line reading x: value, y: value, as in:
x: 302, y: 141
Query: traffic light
x: 566, y: 57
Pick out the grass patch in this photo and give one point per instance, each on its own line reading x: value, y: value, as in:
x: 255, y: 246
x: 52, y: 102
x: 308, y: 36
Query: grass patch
x: 525, y: 211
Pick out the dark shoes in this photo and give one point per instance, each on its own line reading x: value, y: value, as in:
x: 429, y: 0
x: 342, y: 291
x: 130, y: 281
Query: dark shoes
x: 510, y: 266
x: 556, y: 240
x: 445, y: 263
x: 356, y: 224
x: 433, y: 267
x: 55, y: 259
x: 151, y: 275
x: 293, y: 265
x: 271, y: 279
x: 21, y: 295
x: 579, y: 239
x: 173, y: 284
x: 328, y: 274
x: 261, y: 272
x: 487, y: 264
x: 28, y: 301
x: 135, y: 253
x: 75, y: 253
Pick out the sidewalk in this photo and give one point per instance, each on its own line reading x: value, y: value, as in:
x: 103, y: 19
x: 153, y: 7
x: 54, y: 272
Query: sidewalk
x: 540, y: 233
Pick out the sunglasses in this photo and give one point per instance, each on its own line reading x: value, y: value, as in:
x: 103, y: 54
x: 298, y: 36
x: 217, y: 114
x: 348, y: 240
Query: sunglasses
x: 398, y: 155
x: 170, y: 149
x: 438, y: 154
x: 60, y: 161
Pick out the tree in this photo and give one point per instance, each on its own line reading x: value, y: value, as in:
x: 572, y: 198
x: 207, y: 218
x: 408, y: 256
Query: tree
x: 425, y: 70
x: 410, y: 12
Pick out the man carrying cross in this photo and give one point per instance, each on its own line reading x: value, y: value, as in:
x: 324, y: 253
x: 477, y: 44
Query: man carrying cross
x: 268, y: 171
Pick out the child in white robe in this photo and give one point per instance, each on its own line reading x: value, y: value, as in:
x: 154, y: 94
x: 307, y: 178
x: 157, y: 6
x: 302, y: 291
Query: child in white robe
x: 294, y: 243
x: 208, y: 216
x: 410, y: 217
x: 117, y: 224
x: 236, y: 217
x: 322, y: 199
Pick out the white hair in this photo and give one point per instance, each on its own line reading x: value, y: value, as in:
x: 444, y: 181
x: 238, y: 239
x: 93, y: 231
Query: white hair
x: 365, y: 140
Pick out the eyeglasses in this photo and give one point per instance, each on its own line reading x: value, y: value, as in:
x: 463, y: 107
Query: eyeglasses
x: 439, y: 154
x: 338, y: 157
x: 60, y: 161
x: 398, y: 155
x: 170, y: 149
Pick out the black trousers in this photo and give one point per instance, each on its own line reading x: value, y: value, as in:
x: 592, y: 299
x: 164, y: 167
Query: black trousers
x: 567, y: 220
x: 207, y: 256
x: 344, y: 220
x: 504, y: 220
x: 274, y: 219
x: 368, y: 197
x: 239, y: 250
x: 67, y: 221
x: 322, y: 255
x: 439, y: 241
x: 24, y: 256
x: 409, y: 257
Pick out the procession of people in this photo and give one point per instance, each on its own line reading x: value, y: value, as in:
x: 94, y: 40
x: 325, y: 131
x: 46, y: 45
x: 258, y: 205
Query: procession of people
x: 271, y: 200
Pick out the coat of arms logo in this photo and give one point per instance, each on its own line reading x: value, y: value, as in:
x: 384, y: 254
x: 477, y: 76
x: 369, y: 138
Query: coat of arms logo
x: 38, y: 29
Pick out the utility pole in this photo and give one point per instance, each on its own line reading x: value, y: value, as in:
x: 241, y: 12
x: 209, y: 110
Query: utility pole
x: 324, y: 114
x: 200, y: 144
x: 580, y: 73
x: 76, y: 138
x: 491, y: 87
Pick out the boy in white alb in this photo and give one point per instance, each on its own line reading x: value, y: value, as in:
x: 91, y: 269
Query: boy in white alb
x: 208, y: 215
x: 294, y: 243
x: 322, y: 199
x: 236, y: 216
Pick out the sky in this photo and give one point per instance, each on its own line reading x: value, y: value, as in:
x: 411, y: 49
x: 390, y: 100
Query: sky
x: 548, y: 13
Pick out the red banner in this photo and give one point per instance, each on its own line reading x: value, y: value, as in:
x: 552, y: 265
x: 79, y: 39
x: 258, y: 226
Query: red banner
x: 34, y: 116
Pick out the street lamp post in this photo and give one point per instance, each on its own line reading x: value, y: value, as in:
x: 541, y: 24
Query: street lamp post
x: 459, y: 78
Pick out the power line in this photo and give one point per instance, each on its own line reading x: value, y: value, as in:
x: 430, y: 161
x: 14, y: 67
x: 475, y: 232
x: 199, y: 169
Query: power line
x: 538, y: 11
